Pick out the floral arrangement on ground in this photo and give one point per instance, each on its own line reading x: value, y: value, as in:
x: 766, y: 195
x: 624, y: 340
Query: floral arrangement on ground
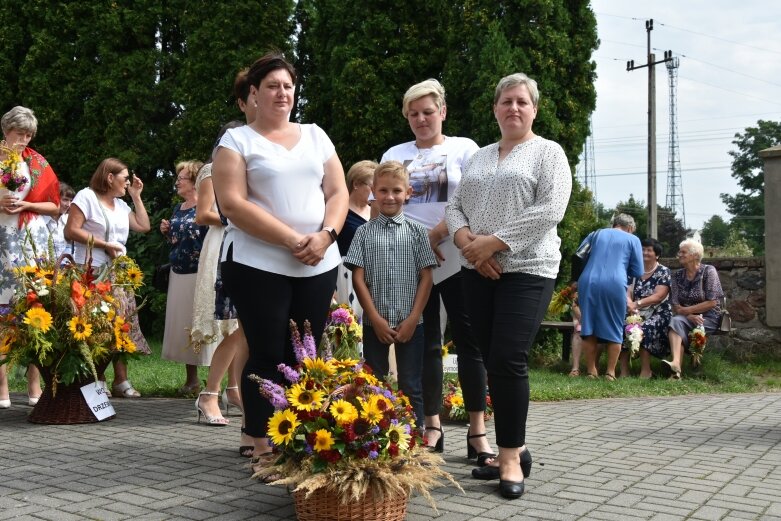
x: 66, y: 317
x: 337, y: 427
x: 453, y: 403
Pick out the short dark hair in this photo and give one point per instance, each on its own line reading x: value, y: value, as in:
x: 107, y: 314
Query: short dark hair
x: 241, y: 85
x: 99, y: 181
x: 653, y: 243
x: 267, y: 63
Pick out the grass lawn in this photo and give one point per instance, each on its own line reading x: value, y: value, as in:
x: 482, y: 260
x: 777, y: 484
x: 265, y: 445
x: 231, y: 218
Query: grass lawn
x: 549, y: 381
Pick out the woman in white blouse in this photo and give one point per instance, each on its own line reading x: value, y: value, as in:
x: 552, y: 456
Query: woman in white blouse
x: 99, y: 213
x: 503, y: 218
x: 281, y: 186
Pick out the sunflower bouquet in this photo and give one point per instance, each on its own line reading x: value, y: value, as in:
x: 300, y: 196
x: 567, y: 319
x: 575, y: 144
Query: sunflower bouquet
x: 562, y: 300
x: 453, y: 404
x: 697, y: 341
x: 67, y: 318
x: 338, y: 427
x: 343, y: 331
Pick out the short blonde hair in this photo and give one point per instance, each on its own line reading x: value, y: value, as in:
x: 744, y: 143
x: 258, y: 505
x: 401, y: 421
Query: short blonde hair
x: 392, y: 169
x: 429, y: 87
x: 19, y: 118
x: 693, y: 247
x: 514, y: 80
x: 191, y: 167
x: 360, y: 172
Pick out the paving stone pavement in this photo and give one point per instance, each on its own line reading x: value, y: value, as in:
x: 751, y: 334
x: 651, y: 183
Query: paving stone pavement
x: 711, y: 457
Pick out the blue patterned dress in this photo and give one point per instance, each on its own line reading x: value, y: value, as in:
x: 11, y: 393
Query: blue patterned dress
x: 656, y: 319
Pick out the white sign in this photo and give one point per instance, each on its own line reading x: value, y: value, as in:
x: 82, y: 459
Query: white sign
x: 95, y: 395
x: 450, y: 364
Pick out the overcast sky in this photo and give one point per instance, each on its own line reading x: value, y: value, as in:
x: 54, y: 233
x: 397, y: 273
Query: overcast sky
x: 729, y: 77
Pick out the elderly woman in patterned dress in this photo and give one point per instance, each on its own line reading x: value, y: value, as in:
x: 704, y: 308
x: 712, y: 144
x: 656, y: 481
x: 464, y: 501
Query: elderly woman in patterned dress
x: 503, y: 217
x: 696, y: 291
x: 649, y: 297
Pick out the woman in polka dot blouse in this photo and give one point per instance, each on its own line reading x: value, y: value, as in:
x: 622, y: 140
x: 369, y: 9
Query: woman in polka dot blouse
x: 503, y: 217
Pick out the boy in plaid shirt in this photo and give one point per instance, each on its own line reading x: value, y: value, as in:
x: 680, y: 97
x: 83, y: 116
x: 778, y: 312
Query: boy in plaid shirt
x: 392, y: 261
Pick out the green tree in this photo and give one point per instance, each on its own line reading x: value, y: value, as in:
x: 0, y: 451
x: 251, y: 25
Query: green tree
x: 551, y: 41
x: 736, y: 246
x: 669, y: 227
x: 748, y: 208
x: 210, y: 56
x: 357, y: 59
x: 715, y: 232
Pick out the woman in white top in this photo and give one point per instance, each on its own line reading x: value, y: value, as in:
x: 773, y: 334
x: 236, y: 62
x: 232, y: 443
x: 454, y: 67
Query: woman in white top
x: 281, y: 186
x: 503, y: 218
x: 99, y: 214
x: 434, y: 162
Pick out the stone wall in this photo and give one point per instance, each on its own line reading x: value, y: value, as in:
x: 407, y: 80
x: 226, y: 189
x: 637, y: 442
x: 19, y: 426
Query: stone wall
x: 743, y: 281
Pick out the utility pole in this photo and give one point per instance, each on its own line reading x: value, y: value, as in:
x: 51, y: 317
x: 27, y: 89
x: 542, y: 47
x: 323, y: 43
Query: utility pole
x: 630, y: 66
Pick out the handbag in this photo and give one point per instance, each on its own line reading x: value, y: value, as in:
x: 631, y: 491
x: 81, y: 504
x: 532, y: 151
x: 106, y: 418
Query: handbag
x: 725, y: 320
x: 724, y: 327
x: 581, y: 255
x: 162, y: 274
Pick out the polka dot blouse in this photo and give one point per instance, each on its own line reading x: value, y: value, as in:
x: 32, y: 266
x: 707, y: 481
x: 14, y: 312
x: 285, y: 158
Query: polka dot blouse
x: 520, y: 200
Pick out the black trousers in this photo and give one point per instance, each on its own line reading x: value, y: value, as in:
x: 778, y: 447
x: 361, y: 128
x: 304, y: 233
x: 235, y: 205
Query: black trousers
x: 266, y: 302
x: 506, y: 315
x: 471, y: 371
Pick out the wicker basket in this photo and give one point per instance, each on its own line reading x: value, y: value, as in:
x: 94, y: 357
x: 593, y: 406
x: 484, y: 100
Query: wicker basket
x: 325, y: 505
x: 67, y: 406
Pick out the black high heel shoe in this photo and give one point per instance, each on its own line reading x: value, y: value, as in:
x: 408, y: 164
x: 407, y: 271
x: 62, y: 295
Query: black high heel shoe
x: 511, y: 489
x: 440, y: 445
x: 489, y: 472
x: 471, y: 452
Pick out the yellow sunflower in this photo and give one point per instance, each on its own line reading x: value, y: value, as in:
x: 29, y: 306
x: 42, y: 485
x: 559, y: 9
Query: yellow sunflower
x: 370, y: 412
x: 135, y: 276
x: 396, y: 434
x: 318, y: 365
x: 343, y: 412
x: 6, y: 343
x: 282, y: 426
x: 38, y: 318
x: 456, y: 400
x: 304, y: 399
x: 80, y: 329
x: 323, y: 440
x: 370, y: 378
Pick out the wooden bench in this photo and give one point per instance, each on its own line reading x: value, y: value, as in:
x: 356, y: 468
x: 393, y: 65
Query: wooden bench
x: 566, y: 329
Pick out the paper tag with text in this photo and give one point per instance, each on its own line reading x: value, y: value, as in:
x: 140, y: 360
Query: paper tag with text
x: 95, y: 395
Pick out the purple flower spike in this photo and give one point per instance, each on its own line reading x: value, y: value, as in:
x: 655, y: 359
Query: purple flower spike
x: 290, y: 374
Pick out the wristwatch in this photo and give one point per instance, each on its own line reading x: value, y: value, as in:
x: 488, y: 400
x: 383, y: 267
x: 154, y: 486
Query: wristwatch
x: 332, y: 232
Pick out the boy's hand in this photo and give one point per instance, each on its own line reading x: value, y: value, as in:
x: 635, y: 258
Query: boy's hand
x: 406, y: 329
x: 384, y: 332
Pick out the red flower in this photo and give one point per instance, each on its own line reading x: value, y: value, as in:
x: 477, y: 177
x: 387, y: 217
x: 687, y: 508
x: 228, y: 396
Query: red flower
x: 103, y: 287
x: 384, y: 423
x: 31, y: 297
x: 77, y: 294
x: 393, y: 449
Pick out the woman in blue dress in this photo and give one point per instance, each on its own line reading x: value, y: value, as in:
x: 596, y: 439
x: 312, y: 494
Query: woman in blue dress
x: 615, y: 256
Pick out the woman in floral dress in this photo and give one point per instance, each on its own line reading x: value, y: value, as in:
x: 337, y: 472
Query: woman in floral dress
x: 649, y: 296
x: 22, y: 210
x: 186, y: 240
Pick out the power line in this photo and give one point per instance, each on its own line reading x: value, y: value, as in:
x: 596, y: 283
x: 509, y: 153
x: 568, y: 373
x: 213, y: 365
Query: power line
x: 719, y: 38
x: 733, y: 91
x: 726, y: 69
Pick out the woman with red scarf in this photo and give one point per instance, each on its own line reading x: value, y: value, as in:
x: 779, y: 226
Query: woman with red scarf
x: 29, y: 190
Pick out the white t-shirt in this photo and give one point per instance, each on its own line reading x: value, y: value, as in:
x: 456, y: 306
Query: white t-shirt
x: 95, y: 215
x: 434, y: 175
x: 289, y: 185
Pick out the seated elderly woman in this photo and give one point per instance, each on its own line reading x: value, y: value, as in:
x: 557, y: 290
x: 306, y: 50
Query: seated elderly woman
x: 695, y: 294
x: 648, y: 296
